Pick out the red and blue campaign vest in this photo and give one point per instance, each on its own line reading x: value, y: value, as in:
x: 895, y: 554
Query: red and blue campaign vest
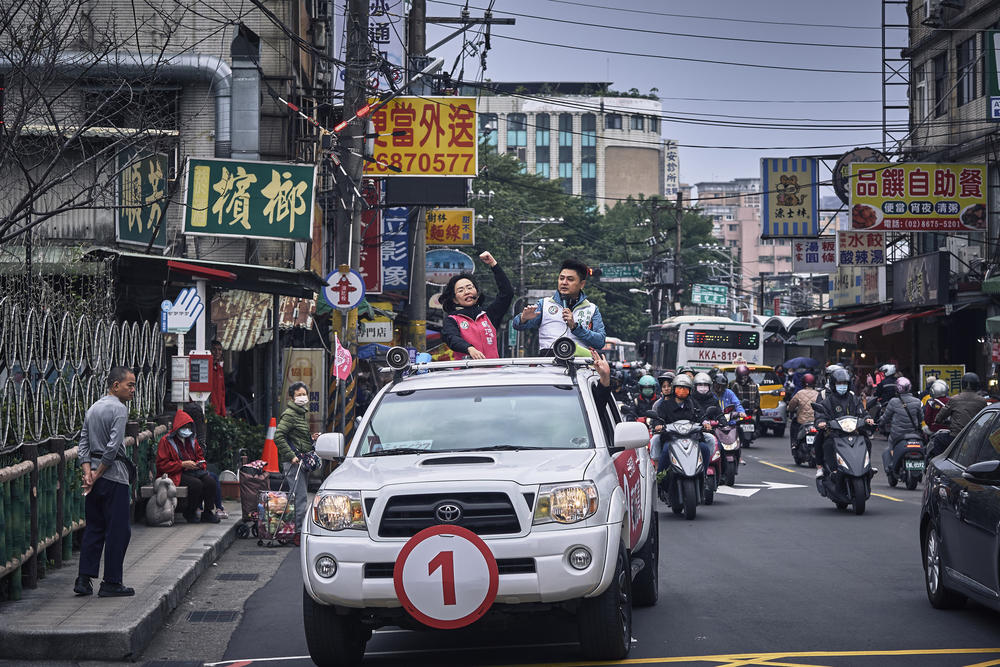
x: 479, y: 333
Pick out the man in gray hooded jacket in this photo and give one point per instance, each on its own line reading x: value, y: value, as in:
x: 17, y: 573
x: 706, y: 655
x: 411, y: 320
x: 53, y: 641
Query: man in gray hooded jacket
x: 901, y: 419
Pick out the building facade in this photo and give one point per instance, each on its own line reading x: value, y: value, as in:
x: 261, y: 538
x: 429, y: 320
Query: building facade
x: 599, y: 147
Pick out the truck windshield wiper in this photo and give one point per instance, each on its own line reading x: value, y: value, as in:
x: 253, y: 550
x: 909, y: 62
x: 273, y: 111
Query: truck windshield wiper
x: 398, y: 450
x: 498, y: 448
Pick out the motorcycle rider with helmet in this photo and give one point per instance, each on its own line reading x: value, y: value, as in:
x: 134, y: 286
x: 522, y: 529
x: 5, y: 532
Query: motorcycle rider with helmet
x: 681, y: 405
x: 746, y: 390
x: 839, y: 402
x: 801, y: 405
x: 901, y: 418
x: 726, y: 396
x: 647, y: 395
x: 885, y: 390
x: 961, y: 409
x: 937, y: 398
x: 702, y: 394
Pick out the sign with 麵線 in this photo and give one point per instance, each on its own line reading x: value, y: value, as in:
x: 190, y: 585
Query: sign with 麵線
x: 267, y: 200
x: 451, y: 226
x: 437, y: 137
x: 918, y: 197
x: 790, y: 197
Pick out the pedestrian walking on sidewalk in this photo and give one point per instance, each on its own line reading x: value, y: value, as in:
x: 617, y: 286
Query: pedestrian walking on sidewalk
x: 107, y: 476
x: 294, y: 441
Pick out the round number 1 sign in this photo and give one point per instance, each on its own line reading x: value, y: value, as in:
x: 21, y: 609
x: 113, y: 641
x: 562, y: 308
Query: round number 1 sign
x: 446, y: 577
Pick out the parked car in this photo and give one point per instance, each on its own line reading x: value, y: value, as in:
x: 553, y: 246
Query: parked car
x: 773, y: 412
x: 960, y: 517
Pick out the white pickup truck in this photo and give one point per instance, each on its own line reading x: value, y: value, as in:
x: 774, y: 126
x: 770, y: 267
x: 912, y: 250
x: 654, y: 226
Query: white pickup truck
x: 478, y: 488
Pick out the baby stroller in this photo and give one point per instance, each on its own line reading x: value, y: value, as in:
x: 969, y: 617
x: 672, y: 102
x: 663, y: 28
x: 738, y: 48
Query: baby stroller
x: 253, y: 479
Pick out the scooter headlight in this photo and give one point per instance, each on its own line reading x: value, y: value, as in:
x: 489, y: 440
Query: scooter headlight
x: 673, y: 461
x: 868, y: 459
x: 716, y: 456
x: 841, y: 462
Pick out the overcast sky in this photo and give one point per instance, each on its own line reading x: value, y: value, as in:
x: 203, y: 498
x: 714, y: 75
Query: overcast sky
x: 828, y: 98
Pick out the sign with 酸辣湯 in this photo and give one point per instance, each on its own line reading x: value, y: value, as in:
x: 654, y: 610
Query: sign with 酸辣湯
x: 451, y: 226
x: 814, y: 255
x: 268, y: 200
x: 142, y: 192
x: 437, y: 137
x: 789, y: 197
x: 860, y: 249
x: 918, y: 197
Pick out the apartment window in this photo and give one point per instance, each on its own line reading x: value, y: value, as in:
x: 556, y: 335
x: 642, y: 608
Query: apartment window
x: 153, y: 109
x: 734, y: 228
x: 920, y: 91
x: 565, y: 129
x: 542, y: 140
x: 967, y: 66
x: 566, y: 151
x: 613, y: 121
x: 488, y: 131
x: 517, y: 130
x: 940, y: 85
x: 734, y: 243
x: 588, y: 155
x: 654, y: 124
x: 638, y: 123
x: 588, y: 127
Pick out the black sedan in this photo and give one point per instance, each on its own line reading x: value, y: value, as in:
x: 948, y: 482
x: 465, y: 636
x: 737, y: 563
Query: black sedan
x: 960, y: 517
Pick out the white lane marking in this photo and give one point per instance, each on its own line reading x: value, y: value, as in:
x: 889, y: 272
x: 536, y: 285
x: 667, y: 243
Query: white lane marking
x: 468, y: 648
x: 774, y: 485
x: 729, y: 491
x: 246, y: 660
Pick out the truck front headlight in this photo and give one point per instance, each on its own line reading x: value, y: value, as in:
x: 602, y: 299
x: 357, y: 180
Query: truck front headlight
x: 338, y: 510
x: 565, y: 503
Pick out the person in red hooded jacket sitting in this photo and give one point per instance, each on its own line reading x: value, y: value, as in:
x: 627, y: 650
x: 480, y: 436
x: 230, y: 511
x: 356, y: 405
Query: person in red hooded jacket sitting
x: 180, y: 457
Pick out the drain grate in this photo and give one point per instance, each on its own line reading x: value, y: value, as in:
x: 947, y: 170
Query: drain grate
x: 238, y: 576
x: 213, y: 616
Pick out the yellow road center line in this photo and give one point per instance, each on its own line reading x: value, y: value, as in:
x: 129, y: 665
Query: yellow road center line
x: 988, y: 663
x: 778, y: 467
x: 898, y: 500
x: 744, y: 657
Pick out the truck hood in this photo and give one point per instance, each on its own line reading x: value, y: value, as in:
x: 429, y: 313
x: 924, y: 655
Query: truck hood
x: 524, y: 467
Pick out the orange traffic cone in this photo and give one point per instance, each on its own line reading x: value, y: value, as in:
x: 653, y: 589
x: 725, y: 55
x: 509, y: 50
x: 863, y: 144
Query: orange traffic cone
x: 270, y: 449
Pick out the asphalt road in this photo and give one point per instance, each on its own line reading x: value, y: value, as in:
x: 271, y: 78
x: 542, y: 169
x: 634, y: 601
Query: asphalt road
x: 773, y: 576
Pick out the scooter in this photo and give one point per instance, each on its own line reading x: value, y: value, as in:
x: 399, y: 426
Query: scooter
x: 849, y: 478
x: 803, y: 448
x: 726, y: 430
x: 686, y: 475
x: 905, y: 462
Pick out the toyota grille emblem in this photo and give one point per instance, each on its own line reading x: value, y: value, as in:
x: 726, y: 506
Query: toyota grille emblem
x: 448, y: 513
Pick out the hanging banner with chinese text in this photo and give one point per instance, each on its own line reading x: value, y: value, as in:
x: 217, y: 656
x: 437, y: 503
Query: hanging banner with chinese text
x: 919, y: 197
x: 814, y: 255
x: 451, y: 226
x: 371, y: 236
x: 851, y: 286
x: 860, y: 249
x: 142, y: 191
x: 439, y: 137
x: 790, y: 189
x: 395, y: 251
x: 264, y: 200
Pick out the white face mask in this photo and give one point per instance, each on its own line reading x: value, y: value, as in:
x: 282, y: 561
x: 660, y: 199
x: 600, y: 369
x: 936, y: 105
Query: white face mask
x: 185, y: 432
x: 702, y: 389
x: 301, y: 400
x: 841, y: 389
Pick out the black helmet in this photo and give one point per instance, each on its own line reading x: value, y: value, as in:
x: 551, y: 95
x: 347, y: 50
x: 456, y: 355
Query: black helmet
x: 970, y: 381
x: 840, y: 375
x: 720, y: 379
x: 666, y: 376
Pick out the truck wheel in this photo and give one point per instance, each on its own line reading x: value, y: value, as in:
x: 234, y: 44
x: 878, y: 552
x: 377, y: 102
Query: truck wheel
x: 690, y: 495
x: 606, y: 621
x: 646, y: 585
x: 333, y: 640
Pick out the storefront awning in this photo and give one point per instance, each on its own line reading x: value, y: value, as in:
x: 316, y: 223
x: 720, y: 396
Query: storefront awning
x: 244, y: 318
x: 849, y: 333
x: 991, y: 286
x: 897, y: 325
x: 814, y: 336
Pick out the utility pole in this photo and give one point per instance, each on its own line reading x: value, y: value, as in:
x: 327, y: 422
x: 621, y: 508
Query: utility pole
x: 678, y: 216
x: 417, y: 46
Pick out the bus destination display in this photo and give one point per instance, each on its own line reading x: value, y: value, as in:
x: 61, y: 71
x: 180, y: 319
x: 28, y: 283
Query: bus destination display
x: 733, y: 340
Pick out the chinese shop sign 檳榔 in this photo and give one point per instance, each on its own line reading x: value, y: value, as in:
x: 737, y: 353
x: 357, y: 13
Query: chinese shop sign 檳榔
x: 451, y: 226
x: 814, y: 255
x: 270, y: 200
x: 437, y: 137
x: 790, y: 192
x: 919, y: 197
x: 860, y: 249
x: 142, y: 190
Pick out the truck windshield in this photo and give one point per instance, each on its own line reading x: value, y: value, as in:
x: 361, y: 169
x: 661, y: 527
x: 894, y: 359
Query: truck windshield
x: 470, y: 418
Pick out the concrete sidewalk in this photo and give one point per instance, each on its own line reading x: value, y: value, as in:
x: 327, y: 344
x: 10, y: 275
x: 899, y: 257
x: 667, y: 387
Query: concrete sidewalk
x: 161, y: 564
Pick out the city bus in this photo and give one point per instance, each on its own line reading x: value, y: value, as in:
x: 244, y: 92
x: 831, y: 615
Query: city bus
x: 616, y: 349
x: 703, y: 341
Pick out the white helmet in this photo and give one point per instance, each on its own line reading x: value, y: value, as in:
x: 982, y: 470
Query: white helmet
x: 938, y: 388
x: 888, y: 369
x: 703, y: 380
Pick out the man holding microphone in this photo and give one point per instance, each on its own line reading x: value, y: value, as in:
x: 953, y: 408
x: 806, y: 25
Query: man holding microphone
x: 566, y: 313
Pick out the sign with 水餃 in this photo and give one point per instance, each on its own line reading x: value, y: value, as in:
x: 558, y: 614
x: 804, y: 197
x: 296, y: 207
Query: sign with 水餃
x: 437, y: 137
x: 918, y: 197
x: 267, y: 200
x: 790, y: 197
x: 451, y: 226
x: 860, y: 249
x: 142, y: 192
